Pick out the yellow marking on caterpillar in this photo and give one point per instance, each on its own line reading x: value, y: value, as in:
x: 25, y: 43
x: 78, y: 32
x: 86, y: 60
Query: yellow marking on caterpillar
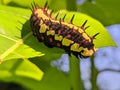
x: 58, y: 37
x: 66, y: 42
x: 43, y: 28
x: 86, y: 37
x: 80, y: 30
x: 50, y: 32
x: 87, y: 52
x: 75, y: 47
x: 40, y: 13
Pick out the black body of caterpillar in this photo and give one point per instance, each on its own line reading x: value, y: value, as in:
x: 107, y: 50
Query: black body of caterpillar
x: 57, y: 33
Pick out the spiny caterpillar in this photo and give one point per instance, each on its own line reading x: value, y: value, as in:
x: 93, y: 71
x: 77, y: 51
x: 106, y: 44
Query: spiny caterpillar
x: 57, y: 33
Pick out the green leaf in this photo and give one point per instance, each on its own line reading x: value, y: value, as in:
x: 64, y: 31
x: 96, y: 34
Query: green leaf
x: 19, y: 67
x: 11, y: 40
x: 102, y: 40
x: 57, y: 4
x: 22, y: 44
x: 53, y: 79
x: 71, y: 5
x: 53, y: 4
x: 25, y: 4
x: 106, y: 11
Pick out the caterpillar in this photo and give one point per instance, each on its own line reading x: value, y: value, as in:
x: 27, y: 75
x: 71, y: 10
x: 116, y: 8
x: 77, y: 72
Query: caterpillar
x: 57, y: 33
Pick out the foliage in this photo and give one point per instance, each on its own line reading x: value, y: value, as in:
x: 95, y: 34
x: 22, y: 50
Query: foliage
x: 106, y: 11
x: 24, y: 60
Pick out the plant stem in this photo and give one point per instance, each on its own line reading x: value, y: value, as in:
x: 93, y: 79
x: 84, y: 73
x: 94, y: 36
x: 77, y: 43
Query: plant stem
x: 94, y: 74
x: 74, y: 75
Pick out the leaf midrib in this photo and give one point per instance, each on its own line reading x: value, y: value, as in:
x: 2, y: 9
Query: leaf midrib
x: 13, y: 47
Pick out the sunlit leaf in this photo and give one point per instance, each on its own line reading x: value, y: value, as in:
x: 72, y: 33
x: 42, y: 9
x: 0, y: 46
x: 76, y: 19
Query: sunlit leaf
x: 102, y: 40
x: 19, y: 67
x: 11, y: 40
